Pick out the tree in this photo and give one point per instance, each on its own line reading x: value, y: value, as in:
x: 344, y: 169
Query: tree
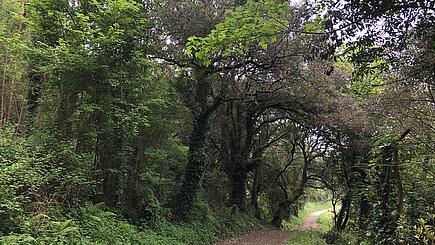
x: 213, y: 55
x: 104, y: 95
x: 14, y: 47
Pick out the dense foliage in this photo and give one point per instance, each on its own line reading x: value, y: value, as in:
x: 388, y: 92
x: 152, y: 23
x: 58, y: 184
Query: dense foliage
x: 183, y: 122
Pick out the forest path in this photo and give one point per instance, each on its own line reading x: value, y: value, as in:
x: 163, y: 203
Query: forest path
x: 259, y: 237
x: 272, y: 237
x: 310, y: 221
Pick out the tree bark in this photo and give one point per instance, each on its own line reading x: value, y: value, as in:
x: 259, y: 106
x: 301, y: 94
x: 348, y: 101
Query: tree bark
x: 285, y: 206
x: 255, y: 192
x: 283, y: 209
x: 238, y: 188
x: 343, y: 215
x: 196, y: 157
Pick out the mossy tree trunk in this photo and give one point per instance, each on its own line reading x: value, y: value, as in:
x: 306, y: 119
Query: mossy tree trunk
x: 196, y: 157
x: 196, y: 163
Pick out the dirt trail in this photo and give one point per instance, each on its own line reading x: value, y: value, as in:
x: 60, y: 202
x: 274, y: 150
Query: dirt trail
x: 259, y: 237
x: 272, y: 237
x: 310, y: 221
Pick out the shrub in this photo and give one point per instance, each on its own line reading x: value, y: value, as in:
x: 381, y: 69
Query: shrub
x: 16, y: 180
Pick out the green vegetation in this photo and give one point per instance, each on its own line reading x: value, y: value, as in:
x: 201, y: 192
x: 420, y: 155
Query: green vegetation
x: 349, y: 237
x: 310, y: 236
x: 94, y: 225
x: 183, y: 122
x: 306, y: 237
x: 326, y: 221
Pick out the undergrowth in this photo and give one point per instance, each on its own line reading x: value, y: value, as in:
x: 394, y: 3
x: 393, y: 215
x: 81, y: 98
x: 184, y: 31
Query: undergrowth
x: 92, y: 224
x: 326, y: 221
x: 306, y: 237
x: 43, y: 188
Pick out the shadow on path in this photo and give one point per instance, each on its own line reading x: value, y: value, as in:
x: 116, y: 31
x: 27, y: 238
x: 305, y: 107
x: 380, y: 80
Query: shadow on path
x: 273, y: 237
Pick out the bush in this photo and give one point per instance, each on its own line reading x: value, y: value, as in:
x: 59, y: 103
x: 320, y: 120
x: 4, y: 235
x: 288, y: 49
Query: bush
x: 16, y: 180
x: 93, y: 224
x: 37, y: 174
x: 43, y: 183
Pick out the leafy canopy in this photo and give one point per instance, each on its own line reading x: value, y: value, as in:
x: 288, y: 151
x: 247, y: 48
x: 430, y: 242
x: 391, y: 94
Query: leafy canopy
x: 255, y: 24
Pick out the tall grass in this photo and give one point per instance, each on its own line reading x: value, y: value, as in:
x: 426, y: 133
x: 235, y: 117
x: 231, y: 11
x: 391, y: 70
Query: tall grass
x: 306, y: 237
x: 326, y: 221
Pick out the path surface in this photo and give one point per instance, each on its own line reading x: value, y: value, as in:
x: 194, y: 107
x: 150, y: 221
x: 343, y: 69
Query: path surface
x: 310, y: 221
x: 272, y: 237
x: 259, y: 237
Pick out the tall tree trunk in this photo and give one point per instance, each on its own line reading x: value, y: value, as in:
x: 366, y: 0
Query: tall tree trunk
x: 385, y: 189
x: 132, y: 197
x: 397, y: 176
x: 196, y: 163
x: 110, y: 196
x: 241, y: 162
x: 110, y: 161
x: 238, y: 188
x: 364, y: 201
x: 11, y: 97
x: 343, y: 215
x: 285, y: 208
x: 255, y: 192
x: 2, y: 101
x: 20, y: 112
x: 196, y: 157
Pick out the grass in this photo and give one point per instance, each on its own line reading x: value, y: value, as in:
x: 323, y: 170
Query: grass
x: 326, y: 221
x: 310, y: 207
x: 310, y: 236
x: 306, y: 237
